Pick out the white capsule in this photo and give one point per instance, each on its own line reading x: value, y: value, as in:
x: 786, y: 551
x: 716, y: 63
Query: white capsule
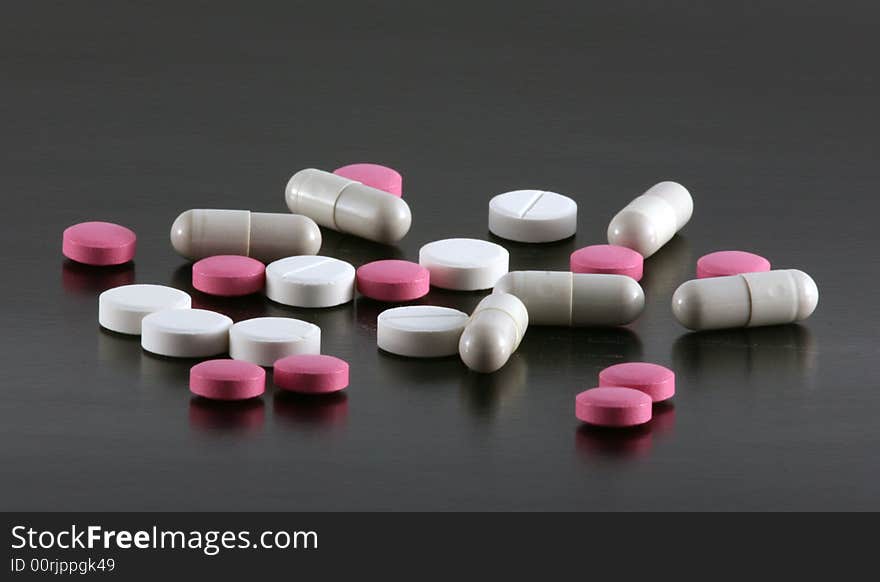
x: 575, y: 299
x: 493, y: 332
x: 348, y: 206
x: 265, y: 236
x: 746, y: 300
x: 648, y: 222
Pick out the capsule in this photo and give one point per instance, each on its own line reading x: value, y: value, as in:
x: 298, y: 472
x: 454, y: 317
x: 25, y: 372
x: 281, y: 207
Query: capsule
x: 746, y: 300
x: 651, y: 220
x: 348, y: 206
x: 493, y: 332
x: 575, y: 299
x: 201, y: 233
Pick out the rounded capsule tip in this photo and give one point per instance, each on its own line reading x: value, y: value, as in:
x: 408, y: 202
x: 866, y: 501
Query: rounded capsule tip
x: 634, y: 231
x: 484, y: 348
x: 686, y: 306
x: 181, y: 234
x: 808, y: 294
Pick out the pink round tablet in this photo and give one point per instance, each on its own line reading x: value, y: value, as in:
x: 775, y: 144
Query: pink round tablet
x: 374, y: 176
x: 607, y: 259
x: 311, y: 373
x: 393, y: 280
x: 227, y: 380
x: 613, y: 406
x: 98, y: 243
x: 652, y: 379
x: 228, y: 275
x: 725, y: 263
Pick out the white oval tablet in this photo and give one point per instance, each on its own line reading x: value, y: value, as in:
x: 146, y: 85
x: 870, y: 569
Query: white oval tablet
x: 532, y: 216
x: 310, y: 281
x: 263, y: 340
x: 420, y: 331
x: 186, y: 333
x: 464, y: 264
x: 121, y: 309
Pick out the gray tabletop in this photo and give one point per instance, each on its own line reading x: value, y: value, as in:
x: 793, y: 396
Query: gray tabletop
x: 768, y: 114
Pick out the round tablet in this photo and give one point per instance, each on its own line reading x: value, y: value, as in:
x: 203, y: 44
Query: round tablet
x: 311, y: 373
x: 264, y: 340
x: 532, y: 216
x: 652, y: 379
x: 310, y: 281
x: 464, y: 264
x: 613, y: 406
x: 227, y: 380
x: 228, y: 275
x: 374, y: 176
x: 608, y: 260
x: 98, y: 243
x: 420, y: 331
x: 725, y: 263
x: 186, y: 333
x: 393, y: 280
x: 121, y: 309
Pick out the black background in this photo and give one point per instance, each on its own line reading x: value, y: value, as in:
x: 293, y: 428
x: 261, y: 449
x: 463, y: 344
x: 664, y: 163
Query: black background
x: 133, y: 114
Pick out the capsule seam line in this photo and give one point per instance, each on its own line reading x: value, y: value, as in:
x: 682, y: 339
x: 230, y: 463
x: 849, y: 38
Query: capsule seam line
x: 519, y: 330
x: 751, y: 299
x: 336, y: 202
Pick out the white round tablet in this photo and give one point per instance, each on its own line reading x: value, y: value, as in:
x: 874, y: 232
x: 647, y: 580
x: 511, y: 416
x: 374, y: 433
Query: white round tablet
x: 420, y: 331
x: 464, y: 264
x: 186, y: 333
x: 121, y: 309
x: 310, y: 281
x: 532, y: 216
x: 263, y: 340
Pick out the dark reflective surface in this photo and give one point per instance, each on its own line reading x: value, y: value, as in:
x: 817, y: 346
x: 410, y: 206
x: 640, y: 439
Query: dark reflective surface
x: 132, y: 118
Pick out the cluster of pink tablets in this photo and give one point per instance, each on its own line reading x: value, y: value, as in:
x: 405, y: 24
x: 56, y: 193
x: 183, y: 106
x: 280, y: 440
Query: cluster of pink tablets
x: 276, y: 254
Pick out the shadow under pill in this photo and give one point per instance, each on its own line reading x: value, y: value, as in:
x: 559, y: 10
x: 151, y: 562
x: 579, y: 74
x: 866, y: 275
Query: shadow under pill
x: 355, y: 250
x: 550, y: 256
x: 668, y: 268
x: 745, y: 354
x: 80, y: 279
x: 216, y: 416
x: 311, y: 410
x: 615, y: 443
x: 484, y: 395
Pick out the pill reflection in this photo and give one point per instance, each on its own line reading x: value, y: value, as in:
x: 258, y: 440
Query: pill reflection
x: 666, y: 269
x: 213, y: 416
x: 626, y: 443
x: 552, y: 256
x: 355, y: 250
x: 311, y: 410
x: 486, y: 394
x: 77, y: 278
x: 560, y: 348
x: 747, y: 353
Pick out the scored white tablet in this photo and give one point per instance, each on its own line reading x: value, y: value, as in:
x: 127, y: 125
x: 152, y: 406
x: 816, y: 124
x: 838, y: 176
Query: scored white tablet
x: 186, y: 333
x: 263, y: 340
x: 310, y: 281
x: 464, y: 264
x: 420, y: 331
x: 121, y: 309
x: 532, y: 216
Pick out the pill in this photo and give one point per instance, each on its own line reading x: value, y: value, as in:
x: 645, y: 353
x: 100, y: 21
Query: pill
x: 493, y: 332
x: 375, y: 176
x: 185, y: 333
x: 532, y: 216
x: 98, y: 243
x: 311, y: 373
x: 393, y: 280
x: 228, y: 275
x: 265, y: 340
x: 227, y: 380
x: 575, y: 299
x: 310, y: 281
x: 464, y: 264
x: 122, y: 309
x: 347, y: 206
x: 420, y: 331
x: 651, y: 220
x: 265, y: 236
x: 725, y: 263
x: 607, y: 259
x: 654, y: 380
x: 613, y: 406
x: 745, y: 300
